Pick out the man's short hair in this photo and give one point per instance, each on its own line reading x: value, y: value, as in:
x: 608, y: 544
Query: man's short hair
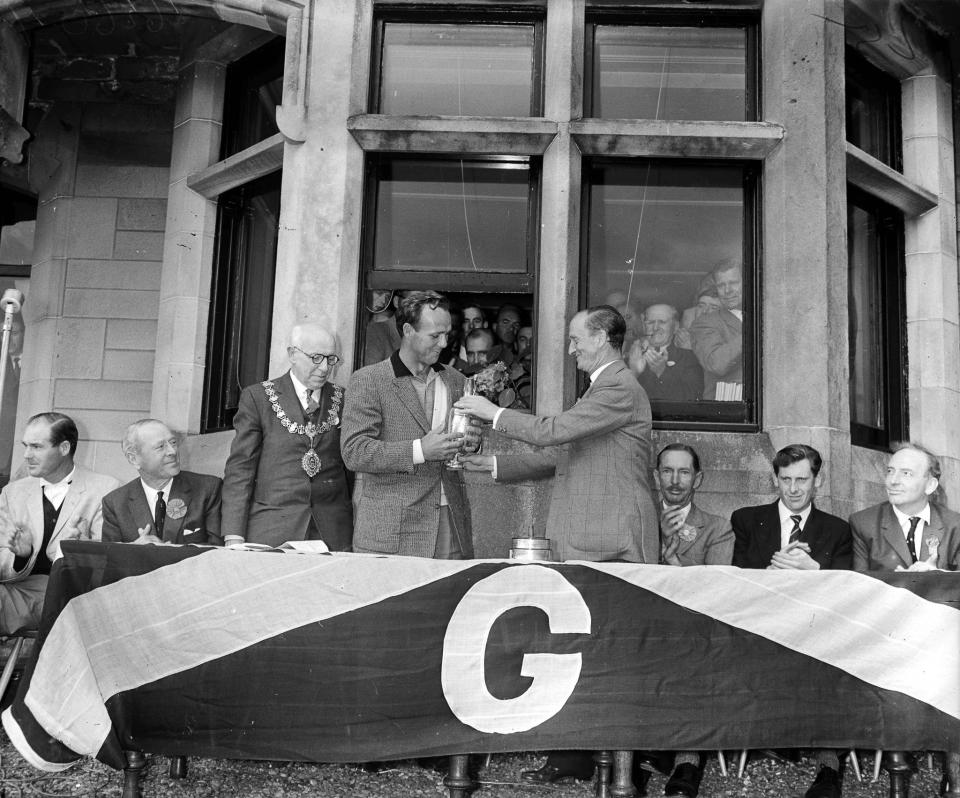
x: 504, y: 308
x: 412, y: 305
x: 609, y: 320
x: 933, y: 462
x: 483, y: 315
x: 131, y: 438
x: 727, y: 265
x: 681, y: 447
x: 794, y: 453
x: 477, y: 334
x: 62, y: 428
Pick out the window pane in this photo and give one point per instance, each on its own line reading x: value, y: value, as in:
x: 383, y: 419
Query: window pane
x: 666, y: 244
x: 254, y: 89
x: 873, y: 111
x: 452, y: 215
x: 866, y: 322
x: 656, y: 72
x: 456, y: 69
x: 238, y: 349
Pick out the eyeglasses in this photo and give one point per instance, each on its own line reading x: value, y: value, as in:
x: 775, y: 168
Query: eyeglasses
x: 318, y: 359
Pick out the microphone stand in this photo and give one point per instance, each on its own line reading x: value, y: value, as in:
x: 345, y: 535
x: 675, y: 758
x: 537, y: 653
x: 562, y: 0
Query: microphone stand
x: 10, y: 304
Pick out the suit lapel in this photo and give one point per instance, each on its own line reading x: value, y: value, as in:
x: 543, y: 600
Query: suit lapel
x: 770, y: 529
x: 696, y: 520
x: 407, y: 395
x: 892, y: 532
x: 179, y: 489
x: 289, y: 401
x: 35, y: 513
x: 934, y: 530
x: 138, y: 508
x: 811, y: 529
x: 69, y: 504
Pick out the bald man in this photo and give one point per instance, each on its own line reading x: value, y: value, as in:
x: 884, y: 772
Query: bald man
x: 284, y: 478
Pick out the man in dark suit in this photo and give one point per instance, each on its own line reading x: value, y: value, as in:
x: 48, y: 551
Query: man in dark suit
x: 689, y: 536
x: 663, y: 370
x: 57, y: 501
x: 718, y: 337
x: 164, y: 504
x: 284, y: 478
x: 393, y: 434
x: 909, y: 533
x: 599, y: 454
x: 793, y: 534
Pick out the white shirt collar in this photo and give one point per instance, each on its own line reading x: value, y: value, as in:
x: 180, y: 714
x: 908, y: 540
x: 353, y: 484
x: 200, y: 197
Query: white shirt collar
x: 62, y: 483
x: 301, y: 390
x: 684, y: 512
x: 786, y: 512
x: 904, y: 519
x: 151, y: 493
x: 56, y: 491
x: 596, y: 372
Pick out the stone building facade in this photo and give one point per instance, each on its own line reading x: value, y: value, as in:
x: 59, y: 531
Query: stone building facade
x: 114, y: 123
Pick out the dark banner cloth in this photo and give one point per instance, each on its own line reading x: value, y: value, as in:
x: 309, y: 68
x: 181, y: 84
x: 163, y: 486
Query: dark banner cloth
x: 355, y: 657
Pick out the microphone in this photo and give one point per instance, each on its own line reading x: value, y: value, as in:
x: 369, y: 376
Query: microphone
x: 12, y: 301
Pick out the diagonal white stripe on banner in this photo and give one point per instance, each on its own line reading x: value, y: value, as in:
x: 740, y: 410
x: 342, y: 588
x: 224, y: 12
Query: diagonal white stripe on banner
x: 883, y: 635
x: 193, y: 612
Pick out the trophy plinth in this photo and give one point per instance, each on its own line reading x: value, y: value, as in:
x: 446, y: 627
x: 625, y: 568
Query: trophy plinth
x: 531, y: 549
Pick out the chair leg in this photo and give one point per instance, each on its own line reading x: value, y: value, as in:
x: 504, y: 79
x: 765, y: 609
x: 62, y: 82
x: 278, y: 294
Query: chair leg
x: 11, y: 663
x: 722, y: 760
x: 855, y: 764
x: 178, y: 767
x: 743, y: 763
x: 877, y: 761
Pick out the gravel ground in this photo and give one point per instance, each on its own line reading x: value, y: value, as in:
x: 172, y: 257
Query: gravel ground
x: 209, y: 778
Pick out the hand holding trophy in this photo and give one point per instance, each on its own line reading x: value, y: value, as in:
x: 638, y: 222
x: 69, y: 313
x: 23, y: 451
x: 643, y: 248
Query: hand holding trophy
x: 458, y: 422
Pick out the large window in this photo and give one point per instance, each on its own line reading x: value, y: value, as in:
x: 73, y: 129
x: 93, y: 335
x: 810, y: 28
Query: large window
x: 671, y: 245
x: 671, y: 70
x: 254, y: 89
x: 457, y: 66
x: 876, y: 307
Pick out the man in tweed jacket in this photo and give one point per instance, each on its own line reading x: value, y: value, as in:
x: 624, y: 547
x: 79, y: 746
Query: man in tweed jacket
x: 393, y: 422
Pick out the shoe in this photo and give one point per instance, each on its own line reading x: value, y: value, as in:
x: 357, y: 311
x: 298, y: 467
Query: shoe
x: 550, y: 774
x: 684, y: 781
x: 654, y: 761
x: 827, y: 784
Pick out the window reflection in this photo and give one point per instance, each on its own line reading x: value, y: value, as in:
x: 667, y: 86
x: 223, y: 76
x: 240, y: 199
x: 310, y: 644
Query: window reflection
x: 659, y: 72
x: 457, y: 70
x: 452, y: 215
x: 666, y: 247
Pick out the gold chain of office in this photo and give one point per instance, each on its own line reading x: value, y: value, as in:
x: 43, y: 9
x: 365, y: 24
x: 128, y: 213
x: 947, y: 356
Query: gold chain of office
x: 309, y: 429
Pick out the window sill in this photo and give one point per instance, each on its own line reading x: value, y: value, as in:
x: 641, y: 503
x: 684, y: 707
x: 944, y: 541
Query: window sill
x: 459, y: 134
x: 889, y: 185
x: 657, y: 139
x: 254, y: 162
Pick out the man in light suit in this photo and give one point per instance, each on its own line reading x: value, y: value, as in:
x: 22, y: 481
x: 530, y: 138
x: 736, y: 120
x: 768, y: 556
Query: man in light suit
x: 793, y: 534
x: 599, y: 450
x: 284, y: 478
x: 909, y: 533
x: 718, y: 337
x: 393, y: 424
x: 58, y: 501
x: 164, y: 504
x: 599, y: 454
x: 689, y: 536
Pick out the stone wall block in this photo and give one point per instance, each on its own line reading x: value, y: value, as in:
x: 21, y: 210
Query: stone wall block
x: 206, y: 454
x: 142, y: 214
x: 129, y: 365
x: 91, y: 227
x: 177, y: 395
x: 196, y: 145
x: 182, y: 331
x: 98, y: 394
x: 126, y: 274
x: 933, y: 348
x: 112, y: 304
x: 193, y: 259
x: 79, y: 348
x: 921, y: 161
x: 932, y: 291
x: 200, y: 92
x: 131, y: 334
x: 139, y: 245
x: 933, y: 412
x: 919, y: 112
x: 103, y: 425
x: 931, y: 232
x: 45, y: 297
x: 105, y: 457
x: 123, y: 181
x: 52, y: 230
